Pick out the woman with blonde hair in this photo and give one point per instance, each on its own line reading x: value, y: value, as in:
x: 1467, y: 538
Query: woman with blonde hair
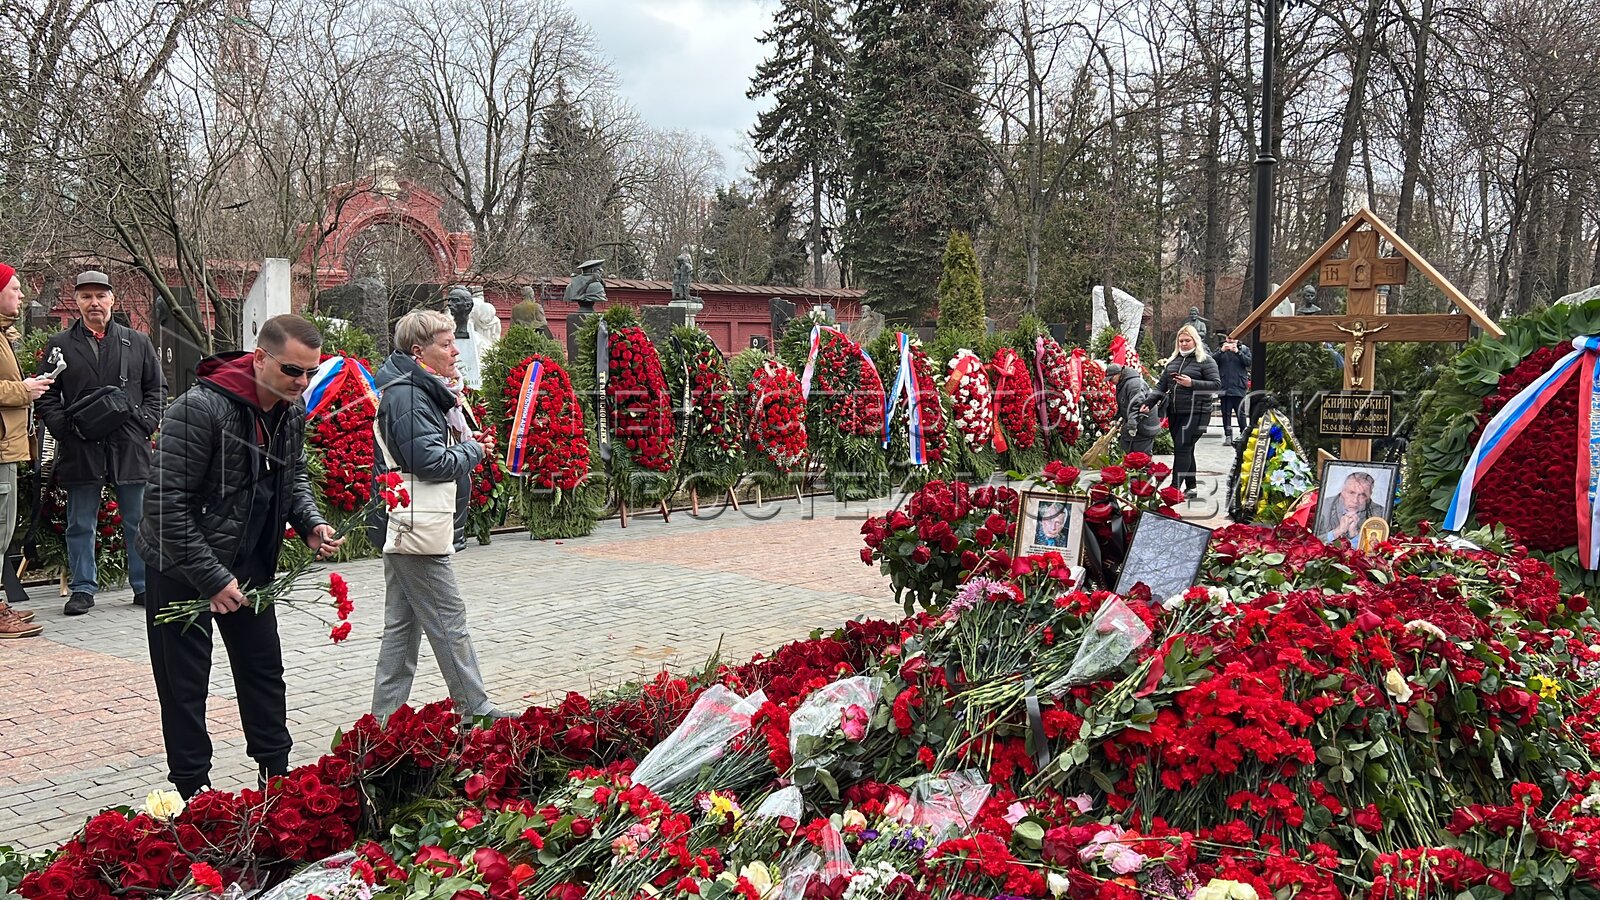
x: 1187, y: 385
x: 423, y: 431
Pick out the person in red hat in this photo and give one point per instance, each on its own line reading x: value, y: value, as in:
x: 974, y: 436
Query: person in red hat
x: 16, y: 397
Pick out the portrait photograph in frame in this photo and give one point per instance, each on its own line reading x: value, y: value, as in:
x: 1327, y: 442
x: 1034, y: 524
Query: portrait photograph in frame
x: 1165, y: 555
x: 1353, y: 491
x: 1048, y: 521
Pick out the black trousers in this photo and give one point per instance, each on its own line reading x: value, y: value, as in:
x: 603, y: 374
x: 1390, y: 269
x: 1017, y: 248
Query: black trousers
x: 1232, y: 410
x: 180, y: 657
x: 1183, y: 467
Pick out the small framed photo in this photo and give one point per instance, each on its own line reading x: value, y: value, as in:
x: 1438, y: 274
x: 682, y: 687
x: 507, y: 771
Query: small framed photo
x: 1051, y: 522
x: 1165, y: 555
x: 1352, y: 492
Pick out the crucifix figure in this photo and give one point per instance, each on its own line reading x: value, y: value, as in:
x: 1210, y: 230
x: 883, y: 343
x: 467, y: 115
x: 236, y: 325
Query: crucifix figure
x: 1358, y: 344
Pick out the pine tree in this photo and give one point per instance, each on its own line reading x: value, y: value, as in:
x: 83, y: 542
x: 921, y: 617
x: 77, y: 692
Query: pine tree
x: 915, y: 144
x: 961, y: 305
x: 800, y: 138
x: 577, y: 192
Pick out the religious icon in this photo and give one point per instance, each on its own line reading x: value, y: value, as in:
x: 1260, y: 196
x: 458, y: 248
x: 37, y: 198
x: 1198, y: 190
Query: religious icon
x: 1374, y: 531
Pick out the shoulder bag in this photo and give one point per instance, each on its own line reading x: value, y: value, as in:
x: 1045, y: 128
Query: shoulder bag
x: 427, y: 525
x: 103, y: 411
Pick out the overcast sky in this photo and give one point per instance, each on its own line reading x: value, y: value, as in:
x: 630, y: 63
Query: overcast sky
x: 685, y: 64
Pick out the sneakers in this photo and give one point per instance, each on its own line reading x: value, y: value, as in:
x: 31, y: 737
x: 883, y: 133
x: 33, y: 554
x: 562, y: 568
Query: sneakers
x: 78, y: 604
x: 12, y: 625
x: 138, y: 599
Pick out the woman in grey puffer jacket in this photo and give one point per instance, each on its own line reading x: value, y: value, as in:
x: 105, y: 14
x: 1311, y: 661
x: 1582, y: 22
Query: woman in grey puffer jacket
x: 424, y: 426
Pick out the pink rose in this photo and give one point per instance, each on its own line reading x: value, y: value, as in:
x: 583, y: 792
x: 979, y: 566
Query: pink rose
x: 854, y: 723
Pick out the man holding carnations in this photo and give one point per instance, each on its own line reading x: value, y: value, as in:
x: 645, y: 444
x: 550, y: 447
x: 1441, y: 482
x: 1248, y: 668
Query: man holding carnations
x: 229, y: 473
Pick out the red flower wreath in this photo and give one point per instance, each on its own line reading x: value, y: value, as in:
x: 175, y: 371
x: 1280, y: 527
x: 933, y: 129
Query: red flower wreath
x: 972, y: 399
x: 1099, y: 398
x: 557, y: 454
x: 342, y: 436
x: 935, y: 439
x: 1058, y: 400
x: 488, y: 475
x: 1530, y: 489
x: 776, y: 415
x: 1013, y: 395
x: 849, y: 390
x: 642, y: 420
x: 711, y: 390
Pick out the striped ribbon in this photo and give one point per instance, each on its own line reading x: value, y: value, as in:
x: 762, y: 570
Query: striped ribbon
x: 1515, y: 417
x: 906, y: 382
x: 522, y: 422
x: 811, y: 360
x: 330, y: 381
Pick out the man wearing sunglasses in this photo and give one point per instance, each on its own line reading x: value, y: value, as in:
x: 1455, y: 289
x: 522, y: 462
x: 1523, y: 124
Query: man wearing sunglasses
x: 229, y: 472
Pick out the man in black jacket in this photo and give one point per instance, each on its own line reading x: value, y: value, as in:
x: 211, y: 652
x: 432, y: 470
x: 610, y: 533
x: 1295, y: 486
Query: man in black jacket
x: 230, y: 471
x: 1233, y: 364
x: 101, y: 353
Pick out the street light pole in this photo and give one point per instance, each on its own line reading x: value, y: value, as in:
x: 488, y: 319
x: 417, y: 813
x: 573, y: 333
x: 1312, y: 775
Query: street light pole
x: 1261, y: 260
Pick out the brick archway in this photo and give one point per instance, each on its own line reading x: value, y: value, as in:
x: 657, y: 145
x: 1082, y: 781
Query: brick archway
x: 372, y: 203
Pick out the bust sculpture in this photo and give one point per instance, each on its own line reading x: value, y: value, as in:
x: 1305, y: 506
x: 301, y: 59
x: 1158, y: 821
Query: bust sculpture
x: 1308, y: 301
x: 867, y: 328
x: 1197, y: 322
x: 460, y: 304
x: 587, y: 287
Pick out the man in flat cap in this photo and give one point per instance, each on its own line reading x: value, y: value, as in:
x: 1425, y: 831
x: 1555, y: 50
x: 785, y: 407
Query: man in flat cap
x: 102, y: 410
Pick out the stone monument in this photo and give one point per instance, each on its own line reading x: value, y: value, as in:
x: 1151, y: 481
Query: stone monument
x: 1198, y: 322
x: 1130, y: 313
x: 484, y: 321
x: 683, y: 298
x: 781, y: 311
x: 586, y: 288
x: 268, y: 297
x: 866, y: 329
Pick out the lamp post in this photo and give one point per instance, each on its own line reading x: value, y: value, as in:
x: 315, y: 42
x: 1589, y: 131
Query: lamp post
x: 1261, y: 259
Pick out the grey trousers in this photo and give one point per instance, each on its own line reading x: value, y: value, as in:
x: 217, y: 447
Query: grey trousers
x: 8, y: 506
x: 422, y: 597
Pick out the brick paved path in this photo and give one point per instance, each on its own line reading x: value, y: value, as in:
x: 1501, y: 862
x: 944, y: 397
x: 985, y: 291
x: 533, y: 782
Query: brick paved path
x: 79, y: 727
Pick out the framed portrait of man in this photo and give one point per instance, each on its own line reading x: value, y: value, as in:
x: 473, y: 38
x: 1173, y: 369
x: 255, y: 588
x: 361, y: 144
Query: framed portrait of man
x: 1051, y: 522
x: 1353, y: 492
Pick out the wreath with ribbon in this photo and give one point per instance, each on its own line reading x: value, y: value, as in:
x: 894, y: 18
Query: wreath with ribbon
x: 712, y: 454
x: 487, y: 509
x: 845, y: 407
x: 1512, y: 439
x: 341, y: 404
x: 774, y: 416
x: 1097, y: 398
x: 1015, y: 411
x: 917, y: 423
x: 619, y: 374
x: 1055, y: 374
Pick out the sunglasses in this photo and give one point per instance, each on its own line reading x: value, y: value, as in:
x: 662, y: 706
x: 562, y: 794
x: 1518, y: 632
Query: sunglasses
x: 290, y: 369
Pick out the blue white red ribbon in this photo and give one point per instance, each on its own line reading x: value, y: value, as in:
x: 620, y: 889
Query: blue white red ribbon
x: 811, y: 358
x: 331, y: 378
x: 906, y: 382
x: 1515, y: 417
x: 522, y: 420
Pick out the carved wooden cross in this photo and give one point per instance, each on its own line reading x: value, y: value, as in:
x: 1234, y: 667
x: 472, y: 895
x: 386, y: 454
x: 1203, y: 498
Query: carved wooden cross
x: 1361, y: 271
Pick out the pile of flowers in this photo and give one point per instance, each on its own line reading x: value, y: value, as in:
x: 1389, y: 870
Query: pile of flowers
x: 713, y: 452
x: 1307, y: 721
x: 1530, y: 490
x: 774, y: 417
x: 1058, y: 393
x: 946, y: 532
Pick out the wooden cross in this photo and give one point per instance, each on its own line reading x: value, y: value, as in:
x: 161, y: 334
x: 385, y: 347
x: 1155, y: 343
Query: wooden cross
x: 1361, y: 271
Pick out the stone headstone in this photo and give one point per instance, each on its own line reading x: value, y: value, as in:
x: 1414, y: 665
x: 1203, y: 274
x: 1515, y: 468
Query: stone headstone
x: 760, y: 341
x: 659, y: 322
x: 926, y: 333
x: 781, y: 311
x: 268, y: 297
x: 1588, y: 293
x: 990, y: 326
x: 823, y: 312
x: 1060, y: 331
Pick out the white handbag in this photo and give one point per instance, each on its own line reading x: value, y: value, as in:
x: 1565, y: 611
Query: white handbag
x: 427, y: 525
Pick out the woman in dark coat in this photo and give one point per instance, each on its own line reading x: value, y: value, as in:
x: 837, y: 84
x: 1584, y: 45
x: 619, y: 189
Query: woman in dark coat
x: 1187, y: 385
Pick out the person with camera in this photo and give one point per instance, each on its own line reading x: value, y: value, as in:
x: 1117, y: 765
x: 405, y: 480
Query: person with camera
x: 17, y: 394
x: 1136, y: 404
x: 1233, y: 365
x: 102, y: 410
